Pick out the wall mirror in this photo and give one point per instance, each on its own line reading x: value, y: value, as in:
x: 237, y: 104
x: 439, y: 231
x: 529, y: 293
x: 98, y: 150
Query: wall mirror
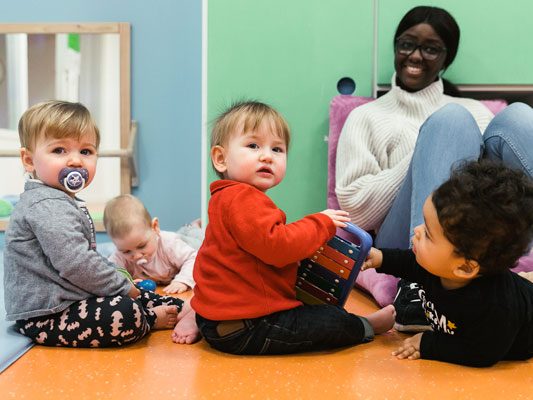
x: 85, y: 62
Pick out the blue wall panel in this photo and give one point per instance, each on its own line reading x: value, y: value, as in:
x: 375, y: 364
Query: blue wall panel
x: 166, y: 90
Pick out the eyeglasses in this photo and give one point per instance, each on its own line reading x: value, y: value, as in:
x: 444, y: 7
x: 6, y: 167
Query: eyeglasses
x: 408, y: 47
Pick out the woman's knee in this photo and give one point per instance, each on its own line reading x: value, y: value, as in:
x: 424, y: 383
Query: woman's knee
x: 453, y: 109
x: 451, y: 120
x: 450, y: 127
x: 515, y: 119
x: 516, y: 110
x: 509, y: 137
x: 450, y: 113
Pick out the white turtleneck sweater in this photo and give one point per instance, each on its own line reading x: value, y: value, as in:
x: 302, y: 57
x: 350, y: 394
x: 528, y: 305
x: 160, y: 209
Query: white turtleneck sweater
x: 376, y: 145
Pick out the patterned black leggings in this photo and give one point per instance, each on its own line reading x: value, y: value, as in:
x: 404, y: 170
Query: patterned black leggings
x: 98, y: 321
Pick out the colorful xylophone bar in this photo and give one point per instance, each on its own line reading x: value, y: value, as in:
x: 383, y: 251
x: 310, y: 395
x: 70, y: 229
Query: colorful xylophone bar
x: 329, y: 274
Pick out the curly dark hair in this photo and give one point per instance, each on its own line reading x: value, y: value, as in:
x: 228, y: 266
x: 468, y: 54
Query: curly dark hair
x: 486, y: 212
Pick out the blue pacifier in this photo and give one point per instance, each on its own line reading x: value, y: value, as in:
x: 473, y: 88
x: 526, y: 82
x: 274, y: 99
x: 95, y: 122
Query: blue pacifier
x: 73, y: 179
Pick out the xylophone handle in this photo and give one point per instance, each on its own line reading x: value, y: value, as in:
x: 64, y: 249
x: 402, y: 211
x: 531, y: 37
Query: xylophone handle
x: 363, y: 236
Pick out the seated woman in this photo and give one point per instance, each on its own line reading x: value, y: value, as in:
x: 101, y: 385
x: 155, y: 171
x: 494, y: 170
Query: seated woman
x: 394, y: 151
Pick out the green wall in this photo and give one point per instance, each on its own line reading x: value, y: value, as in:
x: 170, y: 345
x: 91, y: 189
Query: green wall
x: 292, y: 53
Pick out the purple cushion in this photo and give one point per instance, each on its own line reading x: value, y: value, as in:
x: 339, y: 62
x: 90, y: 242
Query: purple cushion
x: 495, y: 106
x: 381, y: 286
x: 525, y: 264
x: 339, y: 109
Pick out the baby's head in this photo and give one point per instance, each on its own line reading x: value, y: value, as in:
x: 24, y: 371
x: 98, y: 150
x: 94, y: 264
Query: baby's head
x: 249, y: 144
x: 131, y: 228
x: 59, y: 142
x: 57, y: 120
x: 486, y: 213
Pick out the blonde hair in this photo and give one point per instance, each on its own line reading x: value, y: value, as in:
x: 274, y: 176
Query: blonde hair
x: 122, y: 213
x: 251, y: 114
x: 56, y: 119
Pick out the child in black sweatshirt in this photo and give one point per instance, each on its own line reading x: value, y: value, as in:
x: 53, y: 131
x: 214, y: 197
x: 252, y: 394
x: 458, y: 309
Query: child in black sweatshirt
x: 476, y: 226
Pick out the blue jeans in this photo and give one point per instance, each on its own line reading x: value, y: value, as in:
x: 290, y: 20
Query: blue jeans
x: 301, y: 329
x: 447, y: 137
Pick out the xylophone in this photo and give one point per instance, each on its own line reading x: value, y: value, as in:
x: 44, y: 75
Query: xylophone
x: 328, y: 276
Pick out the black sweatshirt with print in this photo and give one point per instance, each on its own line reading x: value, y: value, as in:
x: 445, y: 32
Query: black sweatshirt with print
x: 488, y: 320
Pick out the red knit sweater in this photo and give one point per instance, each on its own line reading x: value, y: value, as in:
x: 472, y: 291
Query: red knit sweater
x: 246, y: 267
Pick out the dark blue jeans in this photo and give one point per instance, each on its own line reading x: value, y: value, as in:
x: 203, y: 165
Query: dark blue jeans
x: 301, y: 329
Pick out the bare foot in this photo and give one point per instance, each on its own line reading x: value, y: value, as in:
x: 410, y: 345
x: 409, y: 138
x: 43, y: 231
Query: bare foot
x: 186, y: 331
x: 167, y: 317
x: 382, y: 320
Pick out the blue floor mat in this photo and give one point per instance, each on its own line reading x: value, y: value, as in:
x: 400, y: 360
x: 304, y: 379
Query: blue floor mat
x: 12, y: 344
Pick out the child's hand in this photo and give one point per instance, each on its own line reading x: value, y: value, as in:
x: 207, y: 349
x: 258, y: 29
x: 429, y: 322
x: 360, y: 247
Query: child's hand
x: 339, y: 217
x: 410, y: 348
x: 134, y: 292
x: 526, y: 275
x: 373, y: 260
x: 176, y: 287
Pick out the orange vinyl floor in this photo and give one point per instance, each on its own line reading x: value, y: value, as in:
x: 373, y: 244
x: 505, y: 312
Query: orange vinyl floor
x: 155, y: 368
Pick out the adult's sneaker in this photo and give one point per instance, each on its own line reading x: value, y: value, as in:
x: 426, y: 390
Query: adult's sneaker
x: 410, y: 315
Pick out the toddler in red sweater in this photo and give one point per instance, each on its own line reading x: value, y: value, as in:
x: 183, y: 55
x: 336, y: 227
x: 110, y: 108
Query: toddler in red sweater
x: 245, y: 271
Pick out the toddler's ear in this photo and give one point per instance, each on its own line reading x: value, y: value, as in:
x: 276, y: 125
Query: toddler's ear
x: 155, y: 224
x: 218, y: 157
x: 468, y: 270
x: 27, y: 159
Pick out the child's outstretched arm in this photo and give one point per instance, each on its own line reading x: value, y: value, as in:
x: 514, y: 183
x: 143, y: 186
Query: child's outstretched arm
x: 373, y: 259
x: 339, y: 217
x: 479, y: 343
x: 410, y: 348
x: 259, y: 227
x: 182, y: 255
x: 176, y: 287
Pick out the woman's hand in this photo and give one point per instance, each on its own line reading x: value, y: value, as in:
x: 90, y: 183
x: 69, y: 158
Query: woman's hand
x: 410, y: 348
x: 373, y: 260
x: 339, y: 217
